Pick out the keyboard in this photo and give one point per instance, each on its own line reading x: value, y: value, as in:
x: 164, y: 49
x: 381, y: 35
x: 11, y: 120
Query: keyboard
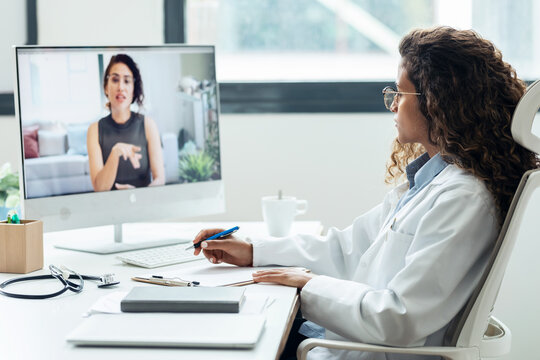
x: 160, y: 256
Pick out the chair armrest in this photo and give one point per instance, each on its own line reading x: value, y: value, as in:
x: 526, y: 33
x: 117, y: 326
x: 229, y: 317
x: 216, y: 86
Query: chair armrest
x: 451, y: 353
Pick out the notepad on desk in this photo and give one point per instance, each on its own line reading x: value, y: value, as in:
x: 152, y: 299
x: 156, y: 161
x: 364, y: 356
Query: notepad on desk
x: 184, y: 299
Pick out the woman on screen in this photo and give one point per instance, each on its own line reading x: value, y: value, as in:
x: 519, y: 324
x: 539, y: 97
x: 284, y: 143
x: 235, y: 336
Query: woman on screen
x: 124, y: 148
x: 402, y: 271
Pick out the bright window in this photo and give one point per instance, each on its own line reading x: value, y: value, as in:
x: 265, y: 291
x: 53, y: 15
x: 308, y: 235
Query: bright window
x: 347, y: 40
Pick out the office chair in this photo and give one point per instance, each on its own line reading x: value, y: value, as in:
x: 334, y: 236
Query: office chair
x: 474, y: 334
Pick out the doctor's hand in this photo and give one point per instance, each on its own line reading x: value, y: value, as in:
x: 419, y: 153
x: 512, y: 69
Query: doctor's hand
x: 229, y: 249
x: 295, y: 277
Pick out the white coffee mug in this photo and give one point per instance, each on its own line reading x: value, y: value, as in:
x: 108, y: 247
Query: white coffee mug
x: 278, y: 214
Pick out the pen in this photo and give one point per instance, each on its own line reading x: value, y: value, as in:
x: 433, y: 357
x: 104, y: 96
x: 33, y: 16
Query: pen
x: 160, y: 280
x: 193, y: 283
x: 216, y: 236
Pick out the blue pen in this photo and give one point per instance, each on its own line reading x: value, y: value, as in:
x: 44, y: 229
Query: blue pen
x: 216, y: 236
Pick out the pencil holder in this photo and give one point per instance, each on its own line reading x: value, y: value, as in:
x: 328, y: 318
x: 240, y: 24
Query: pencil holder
x: 21, y: 246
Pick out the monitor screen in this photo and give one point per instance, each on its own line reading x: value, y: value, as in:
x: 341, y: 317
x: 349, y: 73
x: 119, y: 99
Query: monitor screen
x: 118, y: 134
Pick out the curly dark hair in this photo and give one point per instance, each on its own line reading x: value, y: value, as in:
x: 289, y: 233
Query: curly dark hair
x: 138, y: 92
x: 469, y: 95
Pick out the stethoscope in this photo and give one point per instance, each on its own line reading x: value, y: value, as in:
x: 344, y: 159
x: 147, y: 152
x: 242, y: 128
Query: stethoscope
x: 62, y: 274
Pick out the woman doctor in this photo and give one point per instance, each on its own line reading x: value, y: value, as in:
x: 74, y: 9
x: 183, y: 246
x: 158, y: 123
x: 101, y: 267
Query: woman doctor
x: 401, y: 272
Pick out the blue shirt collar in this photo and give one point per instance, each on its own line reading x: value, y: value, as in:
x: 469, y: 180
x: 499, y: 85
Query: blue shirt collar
x: 423, y: 169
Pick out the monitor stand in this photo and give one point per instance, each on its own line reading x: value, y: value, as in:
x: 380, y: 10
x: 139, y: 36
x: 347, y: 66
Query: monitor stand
x: 91, y: 240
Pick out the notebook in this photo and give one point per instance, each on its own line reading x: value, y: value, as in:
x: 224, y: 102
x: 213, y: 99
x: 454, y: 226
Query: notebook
x: 183, y: 299
x: 169, y: 330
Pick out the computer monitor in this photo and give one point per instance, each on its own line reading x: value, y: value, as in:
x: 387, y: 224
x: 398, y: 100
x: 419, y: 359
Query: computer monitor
x: 112, y: 135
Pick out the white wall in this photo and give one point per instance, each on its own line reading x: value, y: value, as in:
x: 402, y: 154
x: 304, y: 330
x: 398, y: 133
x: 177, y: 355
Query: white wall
x: 335, y: 161
x: 100, y: 22
x: 9, y: 142
x: 13, y: 30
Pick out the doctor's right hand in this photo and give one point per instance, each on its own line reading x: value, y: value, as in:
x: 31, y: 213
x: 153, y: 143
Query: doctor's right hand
x: 229, y: 249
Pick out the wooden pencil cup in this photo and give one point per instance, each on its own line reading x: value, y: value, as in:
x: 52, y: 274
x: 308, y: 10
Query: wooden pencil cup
x: 21, y: 246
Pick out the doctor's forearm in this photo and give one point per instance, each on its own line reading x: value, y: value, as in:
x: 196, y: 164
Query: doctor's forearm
x: 311, y: 252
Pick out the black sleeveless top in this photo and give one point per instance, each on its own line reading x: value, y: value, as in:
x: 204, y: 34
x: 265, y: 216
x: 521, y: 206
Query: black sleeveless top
x: 131, y: 132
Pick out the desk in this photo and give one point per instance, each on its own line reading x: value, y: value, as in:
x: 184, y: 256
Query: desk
x: 36, y: 329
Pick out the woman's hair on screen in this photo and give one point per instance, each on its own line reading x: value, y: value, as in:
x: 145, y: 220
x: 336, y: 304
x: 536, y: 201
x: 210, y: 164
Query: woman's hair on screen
x: 138, y: 92
x: 468, y: 96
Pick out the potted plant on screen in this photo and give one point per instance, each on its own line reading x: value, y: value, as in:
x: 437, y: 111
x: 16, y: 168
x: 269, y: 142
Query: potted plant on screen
x: 9, y: 190
x: 195, y: 167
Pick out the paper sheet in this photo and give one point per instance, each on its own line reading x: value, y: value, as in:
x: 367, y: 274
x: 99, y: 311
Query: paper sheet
x: 110, y: 304
x: 107, y: 304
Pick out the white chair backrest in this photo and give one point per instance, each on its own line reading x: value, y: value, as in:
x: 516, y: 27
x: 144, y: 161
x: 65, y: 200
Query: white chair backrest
x: 470, y: 327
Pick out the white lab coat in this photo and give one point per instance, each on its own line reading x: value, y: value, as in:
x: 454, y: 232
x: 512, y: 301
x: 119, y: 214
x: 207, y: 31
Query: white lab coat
x: 395, y: 280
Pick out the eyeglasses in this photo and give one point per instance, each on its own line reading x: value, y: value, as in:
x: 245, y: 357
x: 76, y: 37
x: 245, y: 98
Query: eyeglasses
x: 116, y: 79
x: 390, y: 95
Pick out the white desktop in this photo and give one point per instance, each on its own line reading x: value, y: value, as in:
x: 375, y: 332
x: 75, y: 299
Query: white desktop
x: 37, y: 329
x: 60, y: 92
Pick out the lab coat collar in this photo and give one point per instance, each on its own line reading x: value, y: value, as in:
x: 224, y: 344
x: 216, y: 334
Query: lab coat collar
x: 447, y: 172
x: 428, y: 169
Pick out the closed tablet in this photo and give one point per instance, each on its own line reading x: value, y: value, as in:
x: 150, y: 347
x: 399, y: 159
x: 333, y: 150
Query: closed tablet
x: 169, y: 330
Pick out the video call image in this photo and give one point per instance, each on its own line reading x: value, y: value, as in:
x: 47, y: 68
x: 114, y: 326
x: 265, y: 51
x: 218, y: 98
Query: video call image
x: 106, y: 119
